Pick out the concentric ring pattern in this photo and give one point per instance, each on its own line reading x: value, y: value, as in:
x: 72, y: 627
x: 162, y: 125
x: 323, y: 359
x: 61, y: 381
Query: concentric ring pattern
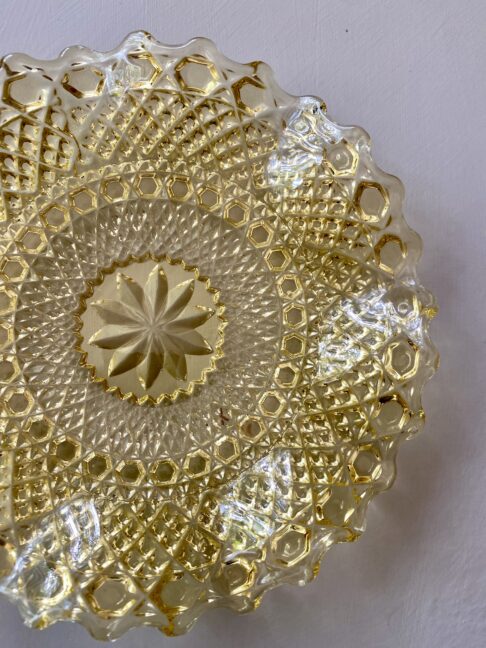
x: 117, y: 511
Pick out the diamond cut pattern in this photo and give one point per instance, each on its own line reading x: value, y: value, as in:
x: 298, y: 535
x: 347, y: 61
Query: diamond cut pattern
x: 292, y: 476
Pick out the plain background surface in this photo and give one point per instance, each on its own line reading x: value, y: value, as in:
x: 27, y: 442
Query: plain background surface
x: 412, y: 72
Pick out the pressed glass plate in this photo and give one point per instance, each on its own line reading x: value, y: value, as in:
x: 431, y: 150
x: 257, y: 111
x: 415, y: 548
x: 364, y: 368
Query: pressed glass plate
x: 212, y: 335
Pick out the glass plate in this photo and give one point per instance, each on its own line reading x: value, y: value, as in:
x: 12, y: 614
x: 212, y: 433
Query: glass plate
x: 212, y: 340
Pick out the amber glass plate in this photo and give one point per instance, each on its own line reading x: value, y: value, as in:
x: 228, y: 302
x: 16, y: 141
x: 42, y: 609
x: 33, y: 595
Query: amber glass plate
x: 212, y: 340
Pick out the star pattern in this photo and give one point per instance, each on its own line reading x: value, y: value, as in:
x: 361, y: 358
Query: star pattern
x: 151, y: 328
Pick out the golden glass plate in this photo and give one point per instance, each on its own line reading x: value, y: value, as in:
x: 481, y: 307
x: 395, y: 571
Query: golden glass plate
x: 213, y: 339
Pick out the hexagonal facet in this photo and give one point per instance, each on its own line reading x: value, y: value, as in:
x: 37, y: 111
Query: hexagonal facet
x: 179, y: 188
x: 294, y: 315
x: 197, y: 463
x: 66, y: 449
x: 131, y: 471
x: 112, y: 596
x: 236, y: 213
x: 235, y: 576
x: 390, y: 251
x: 287, y: 375
x: 252, y: 428
x: 371, y: 201
x: 98, y: 465
x: 366, y: 465
x: 342, y: 158
x: 39, y: 427
x: 289, y: 286
x: 227, y: 449
x: 260, y: 234
x: 83, y: 200
x: 55, y: 217
x: 392, y: 414
x: 144, y: 69
x: 164, y: 472
x: 18, y: 401
x: 291, y: 545
x: 402, y: 359
x: 26, y: 91
x: 277, y: 259
x: 197, y: 74
x: 250, y: 95
x: 404, y: 302
x: 32, y: 240
x: 293, y: 345
x: 209, y: 198
x: 271, y: 403
x: 13, y: 268
x: 84, y: 82
x: 115, y: 189
x: 148, y: 184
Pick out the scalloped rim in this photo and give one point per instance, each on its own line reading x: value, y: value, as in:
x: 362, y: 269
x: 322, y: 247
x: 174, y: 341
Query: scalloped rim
x: 297, y: 575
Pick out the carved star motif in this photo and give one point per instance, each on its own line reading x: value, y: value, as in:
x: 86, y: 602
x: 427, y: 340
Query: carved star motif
x: 151, y: 328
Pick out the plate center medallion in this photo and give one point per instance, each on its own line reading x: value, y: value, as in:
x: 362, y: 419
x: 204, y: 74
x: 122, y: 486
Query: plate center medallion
x: 150, y: 329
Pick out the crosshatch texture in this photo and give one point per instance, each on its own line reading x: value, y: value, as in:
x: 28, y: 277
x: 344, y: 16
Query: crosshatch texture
x: 122, y: 506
